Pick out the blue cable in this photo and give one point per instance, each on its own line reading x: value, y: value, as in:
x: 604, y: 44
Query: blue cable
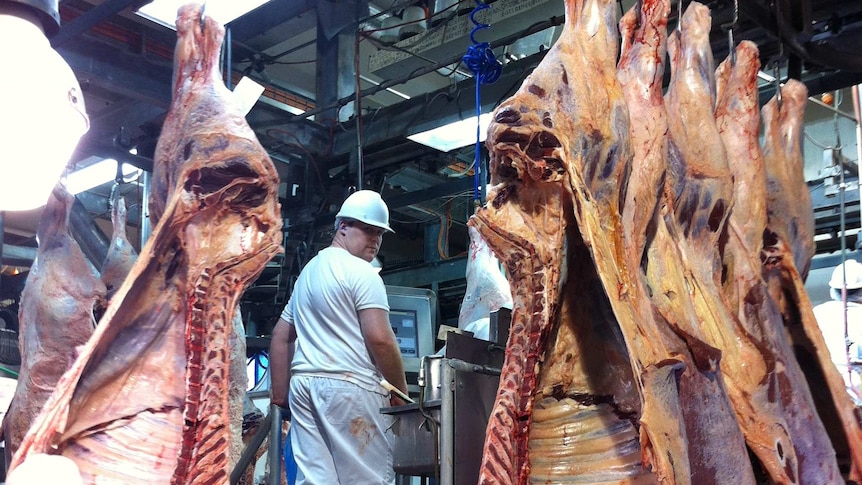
x: 486, y: 69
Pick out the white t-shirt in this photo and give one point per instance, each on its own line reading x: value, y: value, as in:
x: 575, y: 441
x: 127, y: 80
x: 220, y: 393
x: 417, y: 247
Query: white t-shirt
x: 324, y: 307
x: 830, y: 319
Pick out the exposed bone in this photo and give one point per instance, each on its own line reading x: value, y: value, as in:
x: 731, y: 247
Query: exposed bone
x: 147, y: 401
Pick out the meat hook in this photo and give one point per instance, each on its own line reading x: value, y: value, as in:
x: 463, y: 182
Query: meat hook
x: 776, y: 68
x: 731, y: 52
x: 203, y: 17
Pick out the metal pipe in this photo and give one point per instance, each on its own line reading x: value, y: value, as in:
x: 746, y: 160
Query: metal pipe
x: 228, y: 59
x: 357, y: 114
x: 92, y: 240
x: 833, y: 109
x: 858, y: 112
x: 274, y: 452
x: 20, y: 253
x: 447, y: 421
x: 146, y: 225
x: 250, y: 450
x: 89, y: 20
x: 463, y: 366
x: 2, y: 232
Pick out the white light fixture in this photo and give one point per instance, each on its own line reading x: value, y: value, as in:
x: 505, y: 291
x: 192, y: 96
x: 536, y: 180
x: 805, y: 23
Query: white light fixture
x: 389, y: 30
x: 97, y: 174
x: 393, y: 91
x: 164, y: 12
x: 43, y: 115
x: 454, y: 135
x: 413, y: 22
x: 828, y: 235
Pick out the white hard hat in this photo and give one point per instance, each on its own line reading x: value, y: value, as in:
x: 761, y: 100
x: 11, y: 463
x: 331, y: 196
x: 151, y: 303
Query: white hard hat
x: 365, y: 206
x: 854, y: 275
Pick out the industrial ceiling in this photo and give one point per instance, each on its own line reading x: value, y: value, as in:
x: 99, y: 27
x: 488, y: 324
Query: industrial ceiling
x: 311, y: 54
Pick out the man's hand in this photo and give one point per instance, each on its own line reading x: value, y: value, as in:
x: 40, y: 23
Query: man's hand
x: 286, y: 415
x: 281, y: 401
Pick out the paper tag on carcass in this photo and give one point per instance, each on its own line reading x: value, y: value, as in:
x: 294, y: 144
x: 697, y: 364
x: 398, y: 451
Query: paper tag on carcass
x: 246, y: 93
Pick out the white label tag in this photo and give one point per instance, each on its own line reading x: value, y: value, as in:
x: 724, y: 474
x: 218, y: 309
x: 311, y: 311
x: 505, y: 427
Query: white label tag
x: 246, y: 93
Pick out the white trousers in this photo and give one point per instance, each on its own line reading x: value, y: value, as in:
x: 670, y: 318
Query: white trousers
x: 338, y: 433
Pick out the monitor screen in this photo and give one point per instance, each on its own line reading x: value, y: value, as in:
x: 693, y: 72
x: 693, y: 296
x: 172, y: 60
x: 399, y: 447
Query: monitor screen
x: 403, y: 324
x: 413, y: 318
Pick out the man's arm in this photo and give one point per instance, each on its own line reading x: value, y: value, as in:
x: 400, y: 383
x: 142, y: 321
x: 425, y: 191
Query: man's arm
x: 381, y: 344
x: 280, y: 356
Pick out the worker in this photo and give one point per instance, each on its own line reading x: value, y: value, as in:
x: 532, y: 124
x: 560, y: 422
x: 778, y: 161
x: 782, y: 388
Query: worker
x: 332, y: 347
x: 845, y: 348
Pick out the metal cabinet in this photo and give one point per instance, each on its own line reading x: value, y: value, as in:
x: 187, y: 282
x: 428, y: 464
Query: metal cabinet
x: 443, y: 437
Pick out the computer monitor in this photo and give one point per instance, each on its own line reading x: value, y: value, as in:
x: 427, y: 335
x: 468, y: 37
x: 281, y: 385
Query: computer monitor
x: 413, y: 317
x: 403, y: 324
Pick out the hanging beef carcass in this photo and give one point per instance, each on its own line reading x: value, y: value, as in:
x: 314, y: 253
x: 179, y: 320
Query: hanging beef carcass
x: 566, y: 129
x: 581, y: 125
x: 785, y: 245
x: 789, y: 202
x: 147, y: 400
x: 56, y: 316
x: 737, y: 116
x: 591, y: 294
x: 698, y: 401
x: 121, y: 254
x: 700, y: 189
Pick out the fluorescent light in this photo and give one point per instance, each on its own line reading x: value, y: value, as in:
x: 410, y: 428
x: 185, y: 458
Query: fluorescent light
x: 828, y: 235
x: 96, y: 174
x: 766, y: 77
x: 454, y: 135
x: 372, y: 81
x: 165, y: 11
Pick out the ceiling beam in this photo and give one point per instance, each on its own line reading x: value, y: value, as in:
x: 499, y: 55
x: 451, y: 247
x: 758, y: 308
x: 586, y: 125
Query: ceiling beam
x: 18, y: 255
x: 118, y: 71
x: 268, y: 16
x: 90, y: 19
x: 818, y: 84
x: 94, y: 243
x: 427, y: 274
